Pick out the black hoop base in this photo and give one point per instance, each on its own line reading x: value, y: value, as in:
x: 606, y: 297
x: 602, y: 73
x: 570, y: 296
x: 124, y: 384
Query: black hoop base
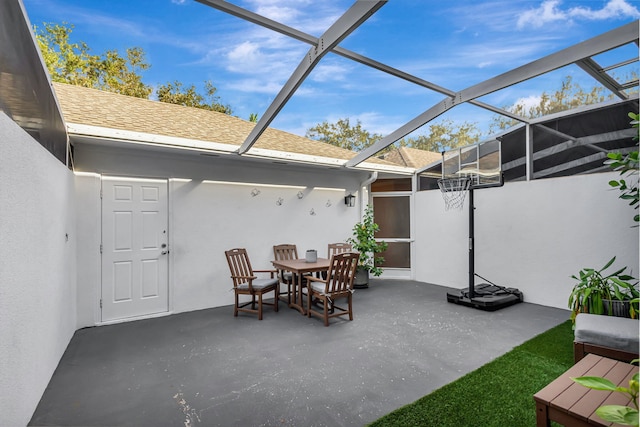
x: 486, y: 297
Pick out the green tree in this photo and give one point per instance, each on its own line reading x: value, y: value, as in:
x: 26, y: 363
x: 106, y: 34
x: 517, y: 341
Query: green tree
x: 73, y: 63
x: 444, y: 135
x: 570, y: 95
x: 122, y: 75
x: 342, y: 134
x: 175, y: 93
x: 627, y: 166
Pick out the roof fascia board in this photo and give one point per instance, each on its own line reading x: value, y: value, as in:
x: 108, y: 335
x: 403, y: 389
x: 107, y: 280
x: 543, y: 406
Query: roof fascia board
x: 75, y: 129
x: 163, y: 141
x: 345, y: 25
x: 320, y: 160
x: 620, y: 36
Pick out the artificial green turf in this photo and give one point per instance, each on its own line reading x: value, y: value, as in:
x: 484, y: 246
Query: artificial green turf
x: 498, y: 394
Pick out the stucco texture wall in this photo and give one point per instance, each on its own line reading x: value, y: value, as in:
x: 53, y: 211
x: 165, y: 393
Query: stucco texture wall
x: 37, y: 270
x: 212, y: 209
x: 529, y: 235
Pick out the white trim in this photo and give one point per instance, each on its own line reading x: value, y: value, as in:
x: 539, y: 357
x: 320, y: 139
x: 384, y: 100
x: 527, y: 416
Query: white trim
x: 131, y: 319
x: 76, y: 129
x: 118, y: 135
x: 253, y: 184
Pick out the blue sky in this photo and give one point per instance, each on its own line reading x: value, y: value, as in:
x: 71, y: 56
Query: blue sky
x: 454, y: 44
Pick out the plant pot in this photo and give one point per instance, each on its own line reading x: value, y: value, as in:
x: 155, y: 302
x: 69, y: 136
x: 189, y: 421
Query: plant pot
x: 361, y: 279
x: 617, y: 308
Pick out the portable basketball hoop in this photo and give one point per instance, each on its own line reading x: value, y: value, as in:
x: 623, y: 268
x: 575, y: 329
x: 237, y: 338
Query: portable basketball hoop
x: 454, y: 191
x: 465, y: 170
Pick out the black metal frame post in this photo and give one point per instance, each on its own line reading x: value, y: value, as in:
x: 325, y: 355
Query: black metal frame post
x: 471, y: 246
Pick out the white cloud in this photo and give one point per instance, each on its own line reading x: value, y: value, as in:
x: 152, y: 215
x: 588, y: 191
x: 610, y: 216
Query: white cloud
x: 547, y: 12
x: 254, y: 86
x: 613, y: 9
x: 529, y: 102
x: 550, y: 11
x: 329, y: 73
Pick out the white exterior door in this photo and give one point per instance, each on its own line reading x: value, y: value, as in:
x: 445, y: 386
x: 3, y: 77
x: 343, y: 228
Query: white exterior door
x: 135, y: 263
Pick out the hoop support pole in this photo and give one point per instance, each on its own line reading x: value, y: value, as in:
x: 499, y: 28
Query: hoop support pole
x: 471, y: 246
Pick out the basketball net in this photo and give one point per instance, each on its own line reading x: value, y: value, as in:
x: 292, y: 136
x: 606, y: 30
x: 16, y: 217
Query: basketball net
x: 454, y: 190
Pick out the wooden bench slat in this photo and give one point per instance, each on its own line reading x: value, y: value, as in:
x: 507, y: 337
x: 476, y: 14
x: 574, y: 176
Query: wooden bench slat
x: 575, y: 391
x: 559, y: 385
x: 569, y: 403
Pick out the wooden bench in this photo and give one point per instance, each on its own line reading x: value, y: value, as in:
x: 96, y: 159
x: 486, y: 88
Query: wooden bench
x: 570, y: 404
x: 608, y: 336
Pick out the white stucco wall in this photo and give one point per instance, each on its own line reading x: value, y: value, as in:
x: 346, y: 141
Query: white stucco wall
x: 37, y: 270
x: 207, y: 218
x: 529, y: 235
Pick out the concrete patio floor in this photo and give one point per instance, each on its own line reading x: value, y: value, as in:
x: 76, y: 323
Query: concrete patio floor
x: 207, y: 368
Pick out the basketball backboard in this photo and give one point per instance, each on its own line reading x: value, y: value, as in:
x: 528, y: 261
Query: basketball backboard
x: 480, y: 162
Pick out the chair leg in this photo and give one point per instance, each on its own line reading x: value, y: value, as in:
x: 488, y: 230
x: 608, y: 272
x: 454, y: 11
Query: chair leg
x: 326, y: 312
x: 275, y: 300
x: 259, y: 306
x: 235, y: 307
x: 350, y: 298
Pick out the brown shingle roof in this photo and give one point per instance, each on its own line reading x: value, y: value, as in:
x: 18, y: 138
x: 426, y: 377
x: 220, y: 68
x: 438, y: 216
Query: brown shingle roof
x: 86, y: 106
x: 412, y: 157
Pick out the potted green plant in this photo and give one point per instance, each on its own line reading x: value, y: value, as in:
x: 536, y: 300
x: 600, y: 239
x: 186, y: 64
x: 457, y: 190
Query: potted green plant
x: 627, y: 166
x: 363, y: 241
x: 598, y: 292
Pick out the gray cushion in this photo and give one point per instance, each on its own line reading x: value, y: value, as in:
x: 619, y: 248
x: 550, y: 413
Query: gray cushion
x: 259, y: 283
x: 609, y: 331
x: 287, y: 275
x: 318, y: 286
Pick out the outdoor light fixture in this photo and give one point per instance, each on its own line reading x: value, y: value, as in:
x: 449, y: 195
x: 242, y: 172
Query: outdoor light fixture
x: 350, y: 200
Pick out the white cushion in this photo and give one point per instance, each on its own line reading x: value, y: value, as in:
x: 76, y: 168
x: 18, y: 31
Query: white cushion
x: 258, y: 283
x: 317, y: 286
x: 609, y: 331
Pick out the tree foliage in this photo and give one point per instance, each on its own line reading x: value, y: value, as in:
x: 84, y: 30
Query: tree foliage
x: 73, y: 63
x: 444, y: 135
x: 627, y: 166
x: 570, y: 95
x: 343, y: 134
x: 175, y: 93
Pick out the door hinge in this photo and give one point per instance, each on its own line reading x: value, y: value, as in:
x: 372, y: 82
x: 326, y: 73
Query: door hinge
x: 101, y: 193
x: 100, y: 302
x: 100, y: 247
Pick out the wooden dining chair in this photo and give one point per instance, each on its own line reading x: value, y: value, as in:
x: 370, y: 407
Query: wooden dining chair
x: 245, y: 282
x: 338, y: 248
x: 337, y: 284
x: 285, y: 252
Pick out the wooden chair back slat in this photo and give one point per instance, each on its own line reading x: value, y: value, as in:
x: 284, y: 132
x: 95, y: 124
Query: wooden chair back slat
x: 338, y: 248
x: 239, y: 265
x: 341, y: 272
x: 242, y: 274
x: 285, y: 252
